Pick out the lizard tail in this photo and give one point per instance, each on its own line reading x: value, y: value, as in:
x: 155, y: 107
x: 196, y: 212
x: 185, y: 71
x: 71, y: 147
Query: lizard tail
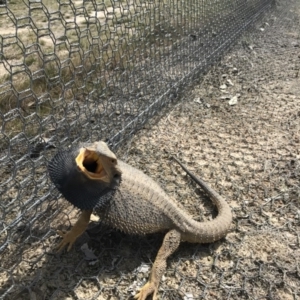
x: 206, y: 232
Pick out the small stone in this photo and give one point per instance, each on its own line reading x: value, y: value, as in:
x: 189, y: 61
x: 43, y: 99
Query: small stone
x: 89, y: 254
x: 143, y: 268
x: 225, y: 97
x: 188, y: 296
x: 223, y: 86
x: 233, y: 100
x: 230, y: 82
x: 235, y: 71
x: 31, y: 104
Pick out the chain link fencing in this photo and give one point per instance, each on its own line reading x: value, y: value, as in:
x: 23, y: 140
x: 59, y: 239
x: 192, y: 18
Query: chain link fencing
x: 89, y: 70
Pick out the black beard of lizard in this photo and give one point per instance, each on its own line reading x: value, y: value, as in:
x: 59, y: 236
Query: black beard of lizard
x: 73, y: 184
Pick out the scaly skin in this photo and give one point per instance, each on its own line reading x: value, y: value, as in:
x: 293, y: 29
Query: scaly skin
x: 139, y: 205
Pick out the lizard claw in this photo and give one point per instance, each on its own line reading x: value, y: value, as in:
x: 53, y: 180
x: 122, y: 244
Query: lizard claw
x: 68, y: 239
x: 148, y: 289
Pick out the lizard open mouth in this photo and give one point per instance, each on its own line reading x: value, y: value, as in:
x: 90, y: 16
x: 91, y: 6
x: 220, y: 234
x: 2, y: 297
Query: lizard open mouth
x: 89, y: 163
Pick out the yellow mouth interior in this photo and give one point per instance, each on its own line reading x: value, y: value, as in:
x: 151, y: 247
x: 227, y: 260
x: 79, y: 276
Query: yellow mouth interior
x: 89, y: 162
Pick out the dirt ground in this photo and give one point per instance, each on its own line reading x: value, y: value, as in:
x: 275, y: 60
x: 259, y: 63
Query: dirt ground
x: 238, y: 129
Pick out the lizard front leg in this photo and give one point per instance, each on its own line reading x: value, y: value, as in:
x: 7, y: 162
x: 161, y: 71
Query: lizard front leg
x: 170, y: 244
x: 79, y: 228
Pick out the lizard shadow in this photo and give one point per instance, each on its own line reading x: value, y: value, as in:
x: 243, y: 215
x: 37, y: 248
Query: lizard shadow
x: 116, y: 266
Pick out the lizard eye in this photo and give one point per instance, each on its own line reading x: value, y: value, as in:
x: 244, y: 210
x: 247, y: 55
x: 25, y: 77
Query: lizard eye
x: 113, y: 161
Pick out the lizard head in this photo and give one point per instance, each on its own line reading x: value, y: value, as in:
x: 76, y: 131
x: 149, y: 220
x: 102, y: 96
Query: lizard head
x: 87, y: 175
x: 97, y: 162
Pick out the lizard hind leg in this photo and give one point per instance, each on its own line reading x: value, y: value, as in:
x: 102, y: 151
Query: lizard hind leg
x: 170, y: 244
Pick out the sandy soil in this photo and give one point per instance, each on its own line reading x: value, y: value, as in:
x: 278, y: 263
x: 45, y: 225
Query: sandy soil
x: 239, y: 129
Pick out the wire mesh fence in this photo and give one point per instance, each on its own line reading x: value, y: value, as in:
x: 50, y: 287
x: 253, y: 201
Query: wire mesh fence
x: 89, y: 70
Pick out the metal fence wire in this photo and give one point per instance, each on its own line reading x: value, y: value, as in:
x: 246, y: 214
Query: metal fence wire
x: 75, y: 71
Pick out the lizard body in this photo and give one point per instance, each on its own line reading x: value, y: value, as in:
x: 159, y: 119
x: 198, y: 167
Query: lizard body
x: 125, y: 198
